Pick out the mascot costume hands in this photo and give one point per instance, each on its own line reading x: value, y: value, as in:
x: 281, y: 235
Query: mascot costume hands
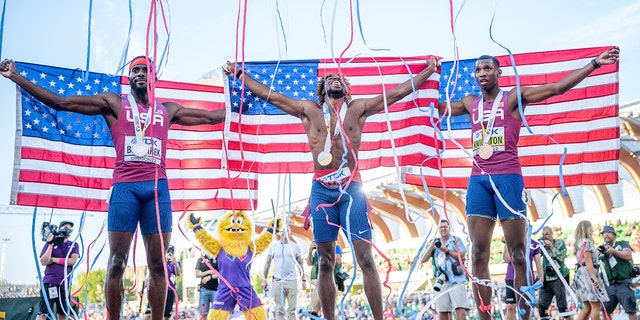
x: 234, y: 251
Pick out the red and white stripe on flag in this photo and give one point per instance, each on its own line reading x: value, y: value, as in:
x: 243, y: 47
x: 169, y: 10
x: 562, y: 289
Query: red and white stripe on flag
x: 584, y: 120
x: 278, y: 143
x: 55, y: 174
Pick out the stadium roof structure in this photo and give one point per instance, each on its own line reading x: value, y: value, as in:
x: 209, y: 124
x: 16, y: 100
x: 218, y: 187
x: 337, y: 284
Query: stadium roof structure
x: 391, y: 222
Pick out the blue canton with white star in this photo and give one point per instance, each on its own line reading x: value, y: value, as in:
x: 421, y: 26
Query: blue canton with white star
x: 295, y: 80
x: 465, y: 84
x: 39, y: 120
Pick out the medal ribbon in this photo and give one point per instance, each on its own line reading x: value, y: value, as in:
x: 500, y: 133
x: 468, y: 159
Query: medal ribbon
x: 492, y: 117
x: 139, y: 129
x: 327, y: 120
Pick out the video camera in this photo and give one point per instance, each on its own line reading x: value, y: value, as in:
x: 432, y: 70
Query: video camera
x: 59, y: 234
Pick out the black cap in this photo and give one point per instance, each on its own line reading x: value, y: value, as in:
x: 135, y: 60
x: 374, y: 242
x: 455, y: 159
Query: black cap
x: 63, y: 222
x: 171, y: 248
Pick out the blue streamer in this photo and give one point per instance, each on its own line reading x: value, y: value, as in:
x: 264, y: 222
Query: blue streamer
x: 284, y: 35
x: 165, y: 50
x: 398, y: 312
x: 123, y: 58
x: 353, y: 256
x: 361, y: 32
x: 549, y: 216
x: 85, y: 74
x: 437, y: 155
x: 529, y: 290
x: 521, y: 109
x: 4, y: 10
x: 36, y: 258
x: 324, y: 32
x: 306, y: 313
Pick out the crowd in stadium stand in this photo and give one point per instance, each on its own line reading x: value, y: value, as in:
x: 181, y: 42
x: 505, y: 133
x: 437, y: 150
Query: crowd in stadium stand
x: 355, y: 306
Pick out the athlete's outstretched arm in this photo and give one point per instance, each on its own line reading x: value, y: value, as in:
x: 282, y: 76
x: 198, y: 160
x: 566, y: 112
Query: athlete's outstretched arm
x: 537, y: 94
x: 103, y: 103
x: 291, y: 106
x: 191, y: 116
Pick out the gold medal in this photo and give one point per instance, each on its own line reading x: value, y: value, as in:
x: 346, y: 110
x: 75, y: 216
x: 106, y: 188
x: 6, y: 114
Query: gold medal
x: 485, y: 152
x: 324, y: 158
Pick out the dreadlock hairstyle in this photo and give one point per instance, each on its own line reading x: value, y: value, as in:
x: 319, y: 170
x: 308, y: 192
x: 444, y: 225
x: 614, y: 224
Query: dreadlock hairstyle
x: 320, y: 90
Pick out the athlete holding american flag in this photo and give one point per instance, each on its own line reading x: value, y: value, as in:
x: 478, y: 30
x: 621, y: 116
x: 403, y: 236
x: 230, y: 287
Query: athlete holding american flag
x: 334, y: 127
x: 140, y: 136
x: 496, y: 187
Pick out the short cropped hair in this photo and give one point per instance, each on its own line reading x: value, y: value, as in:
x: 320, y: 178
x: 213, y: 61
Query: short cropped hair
x: 492, y: 58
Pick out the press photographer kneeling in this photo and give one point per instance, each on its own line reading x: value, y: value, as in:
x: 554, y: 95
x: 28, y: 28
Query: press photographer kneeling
x: 618, y: 265
x: 58, y: 255
x: 450, y: 276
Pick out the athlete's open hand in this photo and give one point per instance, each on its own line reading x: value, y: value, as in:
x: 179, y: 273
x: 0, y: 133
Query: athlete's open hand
x: 610, y: 56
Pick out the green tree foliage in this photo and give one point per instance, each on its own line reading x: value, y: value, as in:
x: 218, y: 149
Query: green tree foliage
x: 256, y: 282
x: 91, y: 283
x: 94, y: 282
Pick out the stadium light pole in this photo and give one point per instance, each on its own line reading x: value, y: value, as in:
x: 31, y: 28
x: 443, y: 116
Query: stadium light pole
x: 3, y: 258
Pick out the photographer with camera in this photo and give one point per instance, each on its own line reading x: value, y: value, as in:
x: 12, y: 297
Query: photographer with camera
x: 552, y: 285
x: 450, y: 276
x: 58, y: 255
x: 618, y: 266
x: 510, y: 297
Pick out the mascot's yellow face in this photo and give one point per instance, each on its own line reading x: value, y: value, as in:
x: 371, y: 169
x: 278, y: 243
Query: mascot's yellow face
x: 235, y: 225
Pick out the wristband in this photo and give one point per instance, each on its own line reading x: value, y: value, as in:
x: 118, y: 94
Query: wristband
x: 270, y: 230
x: 49, y: 242
x: 197, y: 228
x: 239, y: 73
x: 595, y: 64
x: 62, y: 261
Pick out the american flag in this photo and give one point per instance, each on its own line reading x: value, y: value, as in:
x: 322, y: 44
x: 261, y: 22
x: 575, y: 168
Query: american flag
x: 264, y: 139
x: 584, y: 120
x: 65, y: 160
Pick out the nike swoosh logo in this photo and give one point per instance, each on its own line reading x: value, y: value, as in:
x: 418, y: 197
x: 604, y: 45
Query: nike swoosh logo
x: 362, y: 231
